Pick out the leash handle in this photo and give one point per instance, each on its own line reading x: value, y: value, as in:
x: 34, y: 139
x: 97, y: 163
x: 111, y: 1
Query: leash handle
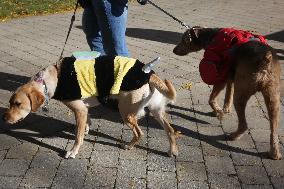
x: 69, y: 30
x: 170, y: 15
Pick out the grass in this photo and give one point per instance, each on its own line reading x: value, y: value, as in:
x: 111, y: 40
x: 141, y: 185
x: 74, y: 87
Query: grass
x: 18, y: 8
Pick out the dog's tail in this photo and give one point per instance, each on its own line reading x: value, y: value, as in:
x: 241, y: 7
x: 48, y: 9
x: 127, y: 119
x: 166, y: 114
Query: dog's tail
x: 269, y: 69
x: 165, y: 87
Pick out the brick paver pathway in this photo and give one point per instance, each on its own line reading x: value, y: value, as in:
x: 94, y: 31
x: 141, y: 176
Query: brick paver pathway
x: 31, y: 152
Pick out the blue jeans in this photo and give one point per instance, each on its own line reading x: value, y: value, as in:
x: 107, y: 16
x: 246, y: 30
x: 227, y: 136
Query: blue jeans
x: 104, y: 24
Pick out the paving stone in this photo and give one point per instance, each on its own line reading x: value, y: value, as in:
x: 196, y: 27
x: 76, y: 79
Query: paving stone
x: 219, y: 165
x: 193, y: 185
x: 39, y: 177
x: 165, y: 180
x: 45, y: 159
x: 277, y: 182
x: 223, y: 181
x: 22, y: 151
x: 260, y: 135
x: 9, y: 182
x: 132, y: 168
x: 190, y: 153
x: 191, y: 171
x: 134, y: 154
x: 52, y: 143
x: 257, y: 186
x: 107, y: 144
x: 274, y: 168
x: 71, y: 174
x: 252, y: 175
x: 246, y: 159
x: 160, y: 163
x: 105, y: 158
x: 2, y: 154
x: 100, y: 177
x: 7, y: 142
x: 245, y: 142
x: 129, y: 182
x: 13, y: 167
x: 24, y: 49
x: 215, y: 149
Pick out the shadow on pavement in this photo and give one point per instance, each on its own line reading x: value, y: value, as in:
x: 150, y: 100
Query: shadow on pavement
x: 276, y: 36
x: 11, y: 82
x: 217, y: 141
x: 162, y: 36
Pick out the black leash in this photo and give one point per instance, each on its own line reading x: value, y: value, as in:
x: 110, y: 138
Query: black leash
x: 170, y: 15
x: 70, y: 27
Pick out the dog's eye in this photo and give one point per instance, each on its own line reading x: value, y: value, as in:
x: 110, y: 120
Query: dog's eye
x: 17, y: 103
x: 187, y: 39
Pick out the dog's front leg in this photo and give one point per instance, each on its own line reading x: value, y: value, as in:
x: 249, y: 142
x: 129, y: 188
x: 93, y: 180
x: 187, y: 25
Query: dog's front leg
x: 213, y: 100
x: 81, y: 114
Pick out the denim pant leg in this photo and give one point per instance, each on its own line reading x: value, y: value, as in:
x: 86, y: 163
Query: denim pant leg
x: 111, y: 19
x: 92, y: 30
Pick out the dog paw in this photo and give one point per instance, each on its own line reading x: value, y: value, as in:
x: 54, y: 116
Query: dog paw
x: 126, y: 147
x: 173, y: 152
x: 219, y: 114
x: 234, y: 136
x: 276, y: 155
x: 226, y: 110
x: 70, y: 154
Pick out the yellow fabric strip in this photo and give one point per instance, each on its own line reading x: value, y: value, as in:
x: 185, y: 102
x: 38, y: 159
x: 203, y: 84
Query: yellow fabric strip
x: 86, y: 77
x: 121, y: 67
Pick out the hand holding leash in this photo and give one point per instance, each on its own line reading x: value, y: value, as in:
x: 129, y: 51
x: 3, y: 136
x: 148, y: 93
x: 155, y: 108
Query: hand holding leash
x: 142, y: 2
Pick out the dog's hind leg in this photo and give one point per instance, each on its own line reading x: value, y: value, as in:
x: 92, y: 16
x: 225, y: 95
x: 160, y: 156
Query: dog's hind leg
x: 272, y: 100
x: 163, y: 118
x: 81, y: 113
x: 241, y: 97
x: 228, y: 96
x: 213, y: 100
x: 131, y: 121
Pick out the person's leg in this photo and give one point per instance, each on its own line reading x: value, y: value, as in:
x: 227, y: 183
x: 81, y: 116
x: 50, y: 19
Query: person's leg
x: 92, y: 30
x: 112, y: 19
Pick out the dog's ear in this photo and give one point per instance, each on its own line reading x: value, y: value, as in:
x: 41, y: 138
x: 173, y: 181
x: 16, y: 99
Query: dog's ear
x: 195, y: 31
x: 36, y: 99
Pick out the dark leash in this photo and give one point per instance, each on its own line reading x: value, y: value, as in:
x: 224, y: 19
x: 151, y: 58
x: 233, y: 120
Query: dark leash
x: 170, y: 15
x: 70, y: 27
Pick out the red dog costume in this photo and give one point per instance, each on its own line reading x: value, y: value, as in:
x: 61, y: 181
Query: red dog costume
x: 218, y: 56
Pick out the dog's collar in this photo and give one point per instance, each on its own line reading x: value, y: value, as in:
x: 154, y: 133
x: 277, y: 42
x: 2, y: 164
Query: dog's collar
x: 39, y: 79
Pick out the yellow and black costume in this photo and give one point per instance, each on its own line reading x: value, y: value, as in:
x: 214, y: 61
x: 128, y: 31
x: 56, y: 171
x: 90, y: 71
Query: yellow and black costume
x: 101, y: 77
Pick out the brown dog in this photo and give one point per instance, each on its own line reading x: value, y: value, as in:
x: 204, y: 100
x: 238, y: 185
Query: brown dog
x: 154, y: 95
x: 255, y: 68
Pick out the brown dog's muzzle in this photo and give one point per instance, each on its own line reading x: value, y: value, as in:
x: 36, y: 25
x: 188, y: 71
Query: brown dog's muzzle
x: 181, y: 49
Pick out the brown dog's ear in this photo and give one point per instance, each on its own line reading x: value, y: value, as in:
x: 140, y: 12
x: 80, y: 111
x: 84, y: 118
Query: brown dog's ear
x: 36, y: 99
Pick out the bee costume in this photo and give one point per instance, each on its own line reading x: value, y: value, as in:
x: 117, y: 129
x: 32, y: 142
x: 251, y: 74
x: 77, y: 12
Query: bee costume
x: 101, y: 77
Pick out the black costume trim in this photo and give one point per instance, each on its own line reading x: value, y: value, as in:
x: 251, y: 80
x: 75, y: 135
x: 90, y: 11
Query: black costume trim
x: 135, y: 77
x: 67, y: 87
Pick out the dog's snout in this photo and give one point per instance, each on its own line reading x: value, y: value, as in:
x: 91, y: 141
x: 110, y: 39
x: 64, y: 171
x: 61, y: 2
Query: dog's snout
x: 180, y: 50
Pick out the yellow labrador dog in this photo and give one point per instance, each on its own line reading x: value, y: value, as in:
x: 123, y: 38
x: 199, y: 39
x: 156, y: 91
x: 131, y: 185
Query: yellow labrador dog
x: 64, y: 82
